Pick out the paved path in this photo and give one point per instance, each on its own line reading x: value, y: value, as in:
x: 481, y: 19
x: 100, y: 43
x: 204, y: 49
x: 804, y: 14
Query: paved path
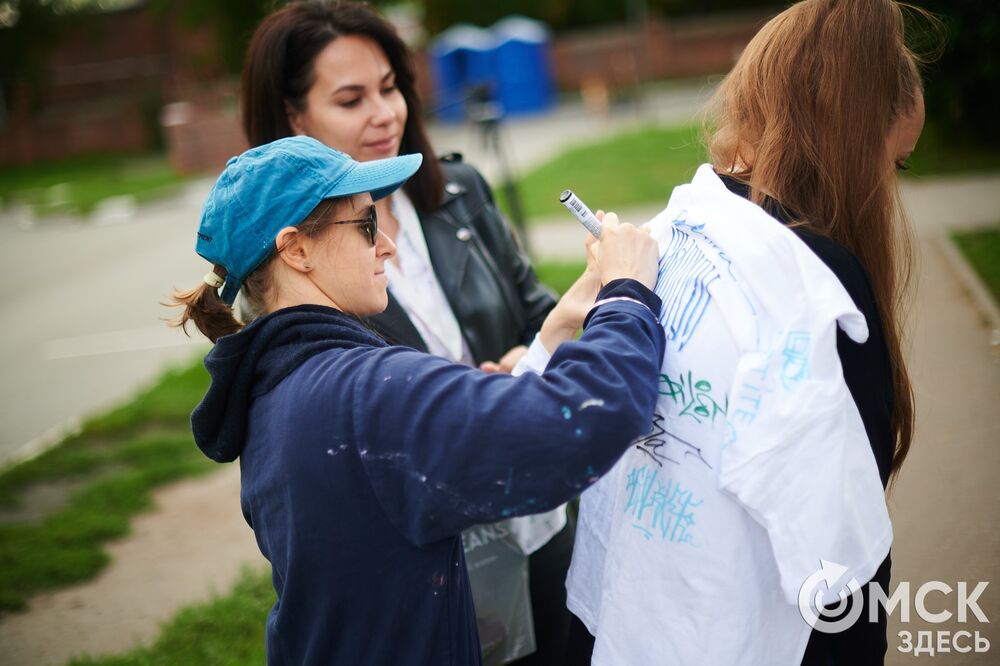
x: 529, y: 141
x: 946, y: 505
x: 83, y: 325
x: 192, y: 545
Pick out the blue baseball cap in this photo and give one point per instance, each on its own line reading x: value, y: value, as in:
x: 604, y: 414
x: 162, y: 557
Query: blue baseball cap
x: 277, y: 185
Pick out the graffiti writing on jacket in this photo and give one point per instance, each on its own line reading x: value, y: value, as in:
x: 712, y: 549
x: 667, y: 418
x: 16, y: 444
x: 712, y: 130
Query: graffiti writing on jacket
x: 693, y: 397
x: 682, y: 283
x: 795, y: 359
x: 660, y: 506
x: 662, y: 446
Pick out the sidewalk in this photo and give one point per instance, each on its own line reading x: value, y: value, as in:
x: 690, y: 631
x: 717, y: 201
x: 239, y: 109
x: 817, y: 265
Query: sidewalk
x: 945, y: 506
x: 191, y: 546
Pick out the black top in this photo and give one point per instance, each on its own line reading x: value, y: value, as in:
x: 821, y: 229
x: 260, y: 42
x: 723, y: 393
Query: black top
x: 868, y: 374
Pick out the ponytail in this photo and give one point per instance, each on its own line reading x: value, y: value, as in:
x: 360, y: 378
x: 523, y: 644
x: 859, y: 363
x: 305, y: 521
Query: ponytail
x: 206, y: 309
x: 209, y: 312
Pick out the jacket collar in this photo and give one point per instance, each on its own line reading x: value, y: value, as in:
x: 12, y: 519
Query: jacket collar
x: 452, y: 190
x: 450, y: 234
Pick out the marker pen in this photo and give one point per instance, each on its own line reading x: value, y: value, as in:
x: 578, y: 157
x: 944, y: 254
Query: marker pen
x: 580, y: 211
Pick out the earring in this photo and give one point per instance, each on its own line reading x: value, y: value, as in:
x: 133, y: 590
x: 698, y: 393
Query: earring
x: 308, y: 267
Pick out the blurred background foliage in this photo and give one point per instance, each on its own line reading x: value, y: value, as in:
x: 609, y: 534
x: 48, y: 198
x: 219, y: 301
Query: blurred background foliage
x: 567, y: 14
x: 963, y: 82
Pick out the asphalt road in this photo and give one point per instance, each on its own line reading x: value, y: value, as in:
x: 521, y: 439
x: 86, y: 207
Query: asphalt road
x: 82, y: 320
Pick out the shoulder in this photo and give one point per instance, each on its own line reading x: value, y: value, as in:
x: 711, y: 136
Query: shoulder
x: 338, y: 379
x: 366, y: 363
x: 844, y: 264
x: 838, y: 258
x: 456, y: 170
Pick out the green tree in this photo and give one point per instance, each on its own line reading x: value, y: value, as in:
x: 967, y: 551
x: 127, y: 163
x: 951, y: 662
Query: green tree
x: 232, y: 20
x: 29, y: 30
x: 963, y: 84
x: 568, y: 14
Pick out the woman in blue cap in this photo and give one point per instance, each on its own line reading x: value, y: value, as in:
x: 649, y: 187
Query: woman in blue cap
x: 362, y: 463
x: 459, y: 285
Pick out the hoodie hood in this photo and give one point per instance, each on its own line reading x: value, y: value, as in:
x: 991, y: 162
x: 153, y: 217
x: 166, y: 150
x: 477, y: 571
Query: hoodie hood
x: 250, y: 363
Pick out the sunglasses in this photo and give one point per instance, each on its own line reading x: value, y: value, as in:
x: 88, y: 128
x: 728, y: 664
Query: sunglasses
x: 369, y: 224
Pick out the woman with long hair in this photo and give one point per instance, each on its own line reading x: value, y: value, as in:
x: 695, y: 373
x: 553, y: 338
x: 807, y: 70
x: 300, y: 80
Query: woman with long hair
x: 360, y: 462
x: 785, y: 404
x: 459, y: 284
x: 814, y: 122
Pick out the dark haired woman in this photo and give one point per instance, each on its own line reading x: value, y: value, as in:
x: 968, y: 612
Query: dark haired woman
x: 459, y: 286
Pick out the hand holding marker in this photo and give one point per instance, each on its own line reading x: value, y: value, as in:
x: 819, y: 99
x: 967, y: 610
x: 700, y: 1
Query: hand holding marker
x: 635, y: 259
x: 581, y: 212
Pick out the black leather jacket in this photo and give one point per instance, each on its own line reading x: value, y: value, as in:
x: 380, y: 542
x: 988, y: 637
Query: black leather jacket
x: 488, y: 281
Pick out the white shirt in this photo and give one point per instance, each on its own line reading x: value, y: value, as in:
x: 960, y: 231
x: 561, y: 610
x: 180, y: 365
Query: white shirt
x: 693, y: 548
x: 416, y: 287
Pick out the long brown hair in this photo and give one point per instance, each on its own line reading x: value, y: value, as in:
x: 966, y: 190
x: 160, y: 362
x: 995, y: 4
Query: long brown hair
x: 278, y: 72
x: 803, y: 117
x: 212, y: 316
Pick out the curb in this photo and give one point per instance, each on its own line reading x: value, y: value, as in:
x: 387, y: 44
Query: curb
x: 39, y: 445
x: 983, y: 301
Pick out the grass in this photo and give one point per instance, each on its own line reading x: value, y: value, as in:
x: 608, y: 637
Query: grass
x: 637, y: 167
x: 559, y: 275
x: 114, y: 463
x: 77, y: 186
x: 227, y: 631
x: 643, y: 166
x: 982, y: 249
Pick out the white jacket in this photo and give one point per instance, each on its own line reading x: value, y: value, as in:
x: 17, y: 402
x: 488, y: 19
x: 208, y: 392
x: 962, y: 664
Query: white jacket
x: 693, y: 549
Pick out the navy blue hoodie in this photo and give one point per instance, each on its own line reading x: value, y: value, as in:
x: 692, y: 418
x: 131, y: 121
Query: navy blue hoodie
x: 362, y: 463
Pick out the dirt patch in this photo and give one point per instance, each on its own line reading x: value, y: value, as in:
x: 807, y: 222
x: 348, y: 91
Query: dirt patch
x: 190, y: 546
x: 40, y: 500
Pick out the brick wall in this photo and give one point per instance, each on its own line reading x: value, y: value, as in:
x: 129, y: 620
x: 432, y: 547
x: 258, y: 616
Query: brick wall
x: 104, y: 86
x: 110, y: 78
x: 618, y: 55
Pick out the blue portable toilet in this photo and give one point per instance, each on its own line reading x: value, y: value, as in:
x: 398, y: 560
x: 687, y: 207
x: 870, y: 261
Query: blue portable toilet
x: 461, y: 57
x: 525, y: 83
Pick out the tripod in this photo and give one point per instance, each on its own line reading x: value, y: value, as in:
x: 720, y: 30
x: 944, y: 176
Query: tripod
x: 488, y: 116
